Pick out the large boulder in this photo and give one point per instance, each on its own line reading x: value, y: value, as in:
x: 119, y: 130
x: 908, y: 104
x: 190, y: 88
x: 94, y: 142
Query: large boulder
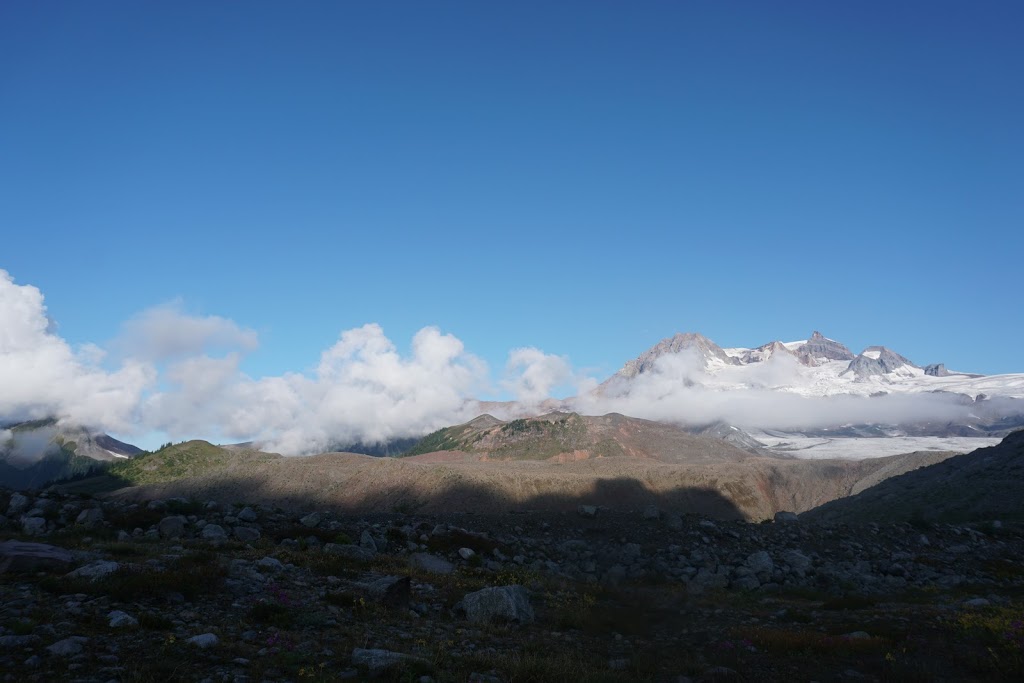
x: 498, y: 604
x: 90, y: 517
x: 172, y: 527
x: 17, y: 557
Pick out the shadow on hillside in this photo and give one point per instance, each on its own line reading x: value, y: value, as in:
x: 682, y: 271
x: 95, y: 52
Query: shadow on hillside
x: 620, y: 494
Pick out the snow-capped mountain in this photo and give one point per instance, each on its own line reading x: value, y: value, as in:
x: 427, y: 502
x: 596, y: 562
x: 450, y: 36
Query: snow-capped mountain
x: 817, y: 366
x: 813, y: 397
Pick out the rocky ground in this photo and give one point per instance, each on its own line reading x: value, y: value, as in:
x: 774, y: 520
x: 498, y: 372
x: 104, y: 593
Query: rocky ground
x: 115, y: 590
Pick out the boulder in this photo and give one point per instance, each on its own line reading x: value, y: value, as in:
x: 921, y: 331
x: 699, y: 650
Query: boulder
x: 204, y: 640
x: 94, y: 571
x: 500, y: 604
x: 33, y: 526
x: 18, y: 504
x: 172, y: 527
x: 311, y: 520
x: 246, y: 534
x: 432, y: 564
x: 760, y: 562
x: 90, y: 517
x: 247, y: 515
x: 67, y: 647
x: 18, y: 556
x: 391, y: 591
x: 119, y: 619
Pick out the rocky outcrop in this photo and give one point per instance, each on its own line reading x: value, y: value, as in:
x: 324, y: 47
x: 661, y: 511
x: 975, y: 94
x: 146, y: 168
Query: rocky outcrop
x: 820, y: 348
x: 877, y: 360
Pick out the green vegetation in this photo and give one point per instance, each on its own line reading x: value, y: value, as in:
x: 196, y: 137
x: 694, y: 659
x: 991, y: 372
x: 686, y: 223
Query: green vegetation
x: 442, y: 440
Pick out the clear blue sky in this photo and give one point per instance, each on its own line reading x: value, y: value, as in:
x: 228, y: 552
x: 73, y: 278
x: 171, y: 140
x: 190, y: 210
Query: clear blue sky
x: 582, y: 177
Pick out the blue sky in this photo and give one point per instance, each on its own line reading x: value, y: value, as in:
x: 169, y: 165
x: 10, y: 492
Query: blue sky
x: 586, y: 178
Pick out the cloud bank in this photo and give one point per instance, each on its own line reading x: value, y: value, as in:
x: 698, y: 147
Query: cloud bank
x: 180, y: 374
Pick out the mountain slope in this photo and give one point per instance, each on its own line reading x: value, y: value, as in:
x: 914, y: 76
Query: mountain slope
x: 570, y: 436
x: 33, y: 454
x: 985, y: 484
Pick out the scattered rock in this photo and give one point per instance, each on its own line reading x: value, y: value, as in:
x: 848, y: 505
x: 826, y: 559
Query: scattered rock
x: 311, y: 520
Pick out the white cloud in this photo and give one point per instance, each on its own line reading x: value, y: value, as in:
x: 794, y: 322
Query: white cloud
x: 531, y: 375
x: 41, y: 376
x: 165, y: 333
x: 362, y: 390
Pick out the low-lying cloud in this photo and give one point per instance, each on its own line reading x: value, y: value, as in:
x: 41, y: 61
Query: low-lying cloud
x: 180, y: 374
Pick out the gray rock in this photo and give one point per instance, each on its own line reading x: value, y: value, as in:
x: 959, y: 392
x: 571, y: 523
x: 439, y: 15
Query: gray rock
x: 311, y: 520
x: 432, y: 564
x: 119, y: 619
x: 366, y: 541
x: 674, y: 522
x: 587, y: 511
x: 352, y: 552
x: 783, y: 516
x: 17, y: 557
x: 392, y: 591
x: 760, y: 562
x: 67, y: 647
x: 90, y: 517
x: 33, y: 526
x: 95, y: 571
x: 976, y: 602
x: 247, y: 515
x: 271, y: 564
x: 378, y: 661
x: 213, y: 532
x: 652, y: 513
x: 796, y: 560
x: 466, y: 553
x: 18, y: 504
x: 246, y: 534
x: 498, y: 604
x: 172, y: 527
x: 204, y: 640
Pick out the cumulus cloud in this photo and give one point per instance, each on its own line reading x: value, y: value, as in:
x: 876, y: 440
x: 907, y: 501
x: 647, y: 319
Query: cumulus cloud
x: 166, y: 332
x: 531, y: 375
x: 363, y: 390
x: 42, y: 376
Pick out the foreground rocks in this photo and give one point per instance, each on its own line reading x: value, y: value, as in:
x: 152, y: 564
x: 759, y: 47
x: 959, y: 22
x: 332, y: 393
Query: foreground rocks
x: 199, y: 590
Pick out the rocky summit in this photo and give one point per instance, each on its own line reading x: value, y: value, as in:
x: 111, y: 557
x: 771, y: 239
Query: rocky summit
x: 194, y: 590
